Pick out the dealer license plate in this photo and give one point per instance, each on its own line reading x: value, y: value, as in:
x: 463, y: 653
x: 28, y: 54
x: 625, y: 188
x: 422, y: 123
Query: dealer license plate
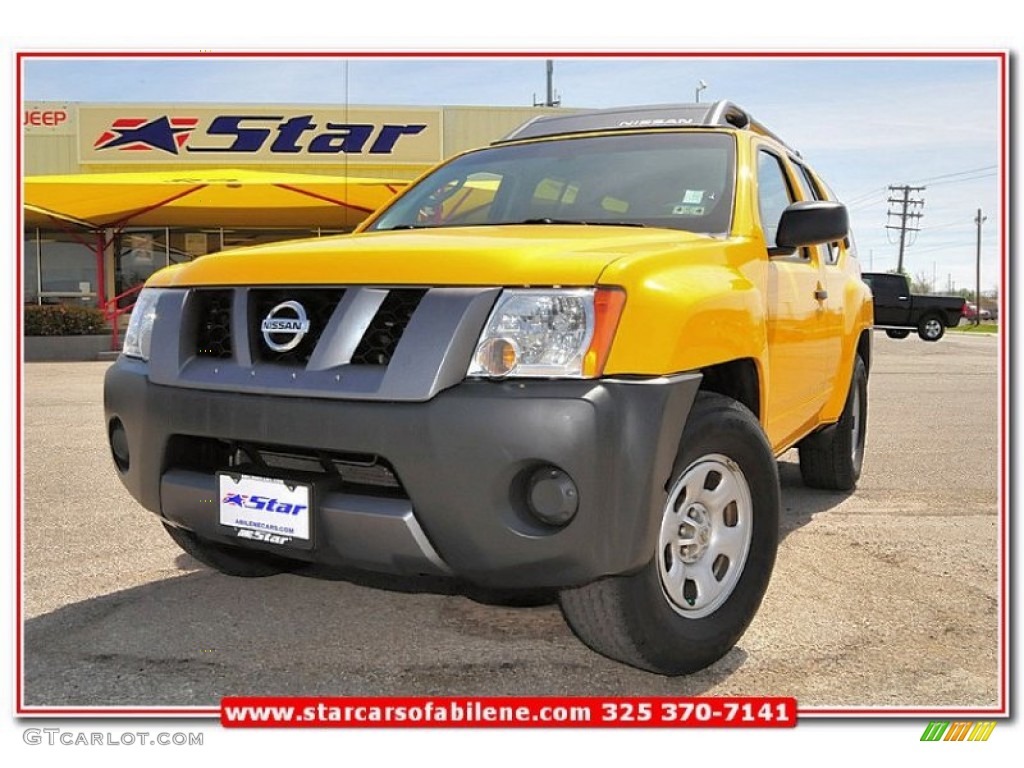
x: 265, y: 509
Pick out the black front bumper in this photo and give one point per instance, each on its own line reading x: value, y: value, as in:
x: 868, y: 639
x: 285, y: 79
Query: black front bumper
x: 460, y: 458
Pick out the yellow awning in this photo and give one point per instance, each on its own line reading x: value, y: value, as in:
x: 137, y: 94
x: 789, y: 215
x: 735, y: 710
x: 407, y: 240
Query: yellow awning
x: 206, y: 198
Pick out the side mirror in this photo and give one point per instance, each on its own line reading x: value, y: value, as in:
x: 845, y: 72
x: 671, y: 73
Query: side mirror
x: 811, y: 222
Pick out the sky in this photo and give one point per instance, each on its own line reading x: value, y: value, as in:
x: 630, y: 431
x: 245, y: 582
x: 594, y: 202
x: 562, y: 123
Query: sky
x: 863, y: 124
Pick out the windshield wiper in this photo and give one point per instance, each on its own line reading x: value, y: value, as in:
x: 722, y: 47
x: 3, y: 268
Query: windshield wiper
x: 585, y: 222
x: 543, y: 220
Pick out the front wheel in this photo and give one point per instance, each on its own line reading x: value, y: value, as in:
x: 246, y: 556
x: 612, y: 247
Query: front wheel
x: 897, y: 333
x: 713, y: 557
x: 931, y: 328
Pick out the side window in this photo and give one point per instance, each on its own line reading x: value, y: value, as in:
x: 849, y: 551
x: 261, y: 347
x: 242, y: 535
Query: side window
x: 773, y: 194
x: 810, y: 190
x: 886, y: 287
x: 820, y: 192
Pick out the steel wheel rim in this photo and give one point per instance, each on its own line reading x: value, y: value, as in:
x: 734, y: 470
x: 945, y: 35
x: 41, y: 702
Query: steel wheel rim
x: 932, y: 328
x: 705, y: 536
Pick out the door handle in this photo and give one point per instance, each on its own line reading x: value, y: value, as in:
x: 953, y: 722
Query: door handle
x: 820, y: 294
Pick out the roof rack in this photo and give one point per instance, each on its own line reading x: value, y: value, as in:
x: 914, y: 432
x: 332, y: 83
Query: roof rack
x: 714, y: 114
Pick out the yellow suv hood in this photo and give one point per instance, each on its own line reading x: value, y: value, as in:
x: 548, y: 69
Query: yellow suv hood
x: 554, y: 254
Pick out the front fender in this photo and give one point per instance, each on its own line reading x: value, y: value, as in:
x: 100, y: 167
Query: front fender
x: 688, y: 317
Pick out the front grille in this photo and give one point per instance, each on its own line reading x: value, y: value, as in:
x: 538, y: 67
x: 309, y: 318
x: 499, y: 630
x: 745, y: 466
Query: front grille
x: 366, y: 474
x: 354, y: 468
x: 374, y: 343
x: 385, y: 331
x: 213, y: 330
x: 319, y: 305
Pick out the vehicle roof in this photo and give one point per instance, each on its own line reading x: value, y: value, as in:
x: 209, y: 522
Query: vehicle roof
x: 719, y: 114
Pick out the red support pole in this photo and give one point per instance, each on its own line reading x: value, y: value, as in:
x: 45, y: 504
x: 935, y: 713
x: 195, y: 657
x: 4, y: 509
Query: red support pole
x: 101, y: 278
x: 113, y: 312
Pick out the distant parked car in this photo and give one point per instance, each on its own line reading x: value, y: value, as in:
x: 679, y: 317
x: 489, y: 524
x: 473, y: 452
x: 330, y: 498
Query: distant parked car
x: 971, y: 311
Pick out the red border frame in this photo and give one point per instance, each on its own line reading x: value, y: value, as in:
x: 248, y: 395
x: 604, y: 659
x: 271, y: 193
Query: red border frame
x: 1003, y: 476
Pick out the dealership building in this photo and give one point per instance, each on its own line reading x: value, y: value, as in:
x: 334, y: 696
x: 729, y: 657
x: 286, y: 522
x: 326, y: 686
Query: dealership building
x: 114, y: 192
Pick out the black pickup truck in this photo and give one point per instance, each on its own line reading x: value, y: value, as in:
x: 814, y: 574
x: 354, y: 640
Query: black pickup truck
x: 898, y: 312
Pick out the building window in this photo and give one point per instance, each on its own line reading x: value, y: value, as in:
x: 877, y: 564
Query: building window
x: 66, y: 269
x: 137, y: 255
x: 31, y: 266
x: 240, y: 238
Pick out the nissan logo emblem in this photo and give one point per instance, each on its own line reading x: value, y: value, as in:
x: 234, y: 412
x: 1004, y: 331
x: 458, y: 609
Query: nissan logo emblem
x: 287, y: 319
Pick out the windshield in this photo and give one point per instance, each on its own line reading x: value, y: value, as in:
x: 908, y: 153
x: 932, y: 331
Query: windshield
x: 673, y: 180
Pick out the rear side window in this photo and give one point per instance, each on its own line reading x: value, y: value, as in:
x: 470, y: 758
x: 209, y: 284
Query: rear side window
x: 812, y: 190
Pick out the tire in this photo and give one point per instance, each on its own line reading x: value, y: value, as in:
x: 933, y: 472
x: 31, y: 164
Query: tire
x: 662, y: 619
x: 832, y: 459
x: 232, y: 561
x: 931, y: 328
x: 897, y: 333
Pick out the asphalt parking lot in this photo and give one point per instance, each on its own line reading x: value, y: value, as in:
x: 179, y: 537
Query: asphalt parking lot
x: 881, y: 598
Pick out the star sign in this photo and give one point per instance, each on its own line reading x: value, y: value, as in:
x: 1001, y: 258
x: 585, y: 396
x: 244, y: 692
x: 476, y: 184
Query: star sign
x: 157, y: 134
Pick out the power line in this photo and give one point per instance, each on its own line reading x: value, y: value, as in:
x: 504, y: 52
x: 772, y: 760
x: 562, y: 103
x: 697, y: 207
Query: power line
x: 859, y: 198
x: 866, y: 204
x: 856, y: 199
x: 947, y: 225
x: 958, y: 181
x: 958, y: 173
x: 944, y: 246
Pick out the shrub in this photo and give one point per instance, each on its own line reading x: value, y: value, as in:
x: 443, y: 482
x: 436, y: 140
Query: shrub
x: 62, y: 320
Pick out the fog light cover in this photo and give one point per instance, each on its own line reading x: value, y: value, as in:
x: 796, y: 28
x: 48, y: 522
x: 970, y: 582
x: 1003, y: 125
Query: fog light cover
x: 119, y: 445
x: 552, y: 496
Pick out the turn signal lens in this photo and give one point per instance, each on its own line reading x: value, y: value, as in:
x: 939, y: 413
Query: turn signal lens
x: 608, y: 304
x: 497, y: 357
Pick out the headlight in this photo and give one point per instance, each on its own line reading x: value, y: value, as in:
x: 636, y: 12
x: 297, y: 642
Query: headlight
x: 548, y: 333
x: 140, y: 327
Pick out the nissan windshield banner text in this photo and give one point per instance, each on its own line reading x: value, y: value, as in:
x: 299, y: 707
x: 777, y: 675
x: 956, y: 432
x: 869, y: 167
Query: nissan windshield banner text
x: 254, y: 134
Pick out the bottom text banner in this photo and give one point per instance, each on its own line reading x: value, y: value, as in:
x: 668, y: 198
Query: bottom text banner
x: 507, y: 712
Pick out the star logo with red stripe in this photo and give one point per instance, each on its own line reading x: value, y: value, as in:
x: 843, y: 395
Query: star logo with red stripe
x: 137, y: 134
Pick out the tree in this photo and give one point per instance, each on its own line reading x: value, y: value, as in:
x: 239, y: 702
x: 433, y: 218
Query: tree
x: 921, y: 283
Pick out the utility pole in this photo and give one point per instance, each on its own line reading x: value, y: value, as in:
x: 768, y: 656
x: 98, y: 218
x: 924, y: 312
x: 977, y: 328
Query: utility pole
x: 907, y: 212
x: 701, y: 86
x: 553, y: 99
x: 979, y: 219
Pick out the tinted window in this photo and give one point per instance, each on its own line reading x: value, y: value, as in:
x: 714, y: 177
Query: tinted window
x: 885, y: 286
x: 773, y: 194
x: 673, y: 180
x: 811, y: 190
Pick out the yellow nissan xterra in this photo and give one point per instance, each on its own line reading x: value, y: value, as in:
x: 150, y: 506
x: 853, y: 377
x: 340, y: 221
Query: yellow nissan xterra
x: 567, y: 361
